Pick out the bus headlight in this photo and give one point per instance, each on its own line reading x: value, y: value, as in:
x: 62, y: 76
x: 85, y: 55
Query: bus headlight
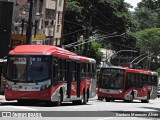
x: 120, y: 91
x: 8, y: 86
x: 44, y: 87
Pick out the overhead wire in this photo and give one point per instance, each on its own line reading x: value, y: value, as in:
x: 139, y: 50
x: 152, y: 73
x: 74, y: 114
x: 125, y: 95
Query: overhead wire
x: 73, y: 32
x: 71, y: 44
x: 101, y: 13
x: 73, y: 23
x: 97, y: 18
x: 98, y: 39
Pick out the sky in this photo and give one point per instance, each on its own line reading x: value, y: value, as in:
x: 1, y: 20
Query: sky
x: 133, y: 3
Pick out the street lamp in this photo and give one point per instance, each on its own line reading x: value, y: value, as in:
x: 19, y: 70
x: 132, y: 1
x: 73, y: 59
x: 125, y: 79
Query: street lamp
x: 29, y: 25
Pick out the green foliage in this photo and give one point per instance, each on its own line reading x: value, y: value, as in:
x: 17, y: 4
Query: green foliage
x: 73, y: 6
x: 158, y: 71
x: 108, y: 16
x: 149, y: 40
x: 95, y: 52
x: 148, y: 14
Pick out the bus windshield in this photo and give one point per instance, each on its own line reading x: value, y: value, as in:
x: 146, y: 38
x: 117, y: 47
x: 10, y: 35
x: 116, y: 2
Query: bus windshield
x: 111, y: 78
x: 27, y: 69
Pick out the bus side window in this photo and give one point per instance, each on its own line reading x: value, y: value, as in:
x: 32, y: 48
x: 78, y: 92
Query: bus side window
x: 64, y: 71
x: 140, y: 81
x: 73, y: 71
x: 154, y: 80
x: 128, y: 81
x: 144, y: 79
x: 55, y: 71
x: 149, y: 80
x: 89, y: 70
x: 136, y: 80
x: 83, y: 70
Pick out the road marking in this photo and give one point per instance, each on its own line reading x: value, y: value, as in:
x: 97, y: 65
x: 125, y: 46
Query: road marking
x: 18, y: 107
x: 106, y: 118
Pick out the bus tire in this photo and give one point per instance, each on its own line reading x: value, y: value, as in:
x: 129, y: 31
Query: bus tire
x: 131, y: 98
x: 147, y: 100
x: 59, y: 102
x: 20, y: 102
x: 101, y: 99
x: 107, y: 100
x: 83, y: 101
x: 24, y: 102
x: 87, y: 95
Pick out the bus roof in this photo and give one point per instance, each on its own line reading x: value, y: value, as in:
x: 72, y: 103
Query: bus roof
x: 48, y: 50
x: 133, y: 70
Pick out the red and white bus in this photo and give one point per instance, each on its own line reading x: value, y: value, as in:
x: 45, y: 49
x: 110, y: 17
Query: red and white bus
x: 119, y: 83
x: 50, y: 74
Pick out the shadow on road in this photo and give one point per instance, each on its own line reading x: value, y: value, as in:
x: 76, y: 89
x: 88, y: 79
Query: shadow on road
x: 38, y: 104
x: 117, y: 101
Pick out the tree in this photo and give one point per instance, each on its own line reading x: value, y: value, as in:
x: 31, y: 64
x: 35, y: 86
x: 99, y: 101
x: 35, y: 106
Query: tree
x: 148, y: 14
x: 109, y: 16
x: 149, y: 40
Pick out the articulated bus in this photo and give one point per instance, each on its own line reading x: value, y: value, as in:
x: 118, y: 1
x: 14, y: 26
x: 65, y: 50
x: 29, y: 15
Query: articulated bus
x: 122, y: 83
x: 50, y: 74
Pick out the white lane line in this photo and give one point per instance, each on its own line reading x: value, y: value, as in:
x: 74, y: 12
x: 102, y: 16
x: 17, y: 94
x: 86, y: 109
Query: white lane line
x: 106, y: 118
x: 18, y: 107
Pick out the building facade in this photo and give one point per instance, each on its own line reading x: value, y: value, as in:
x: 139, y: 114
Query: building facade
x: 46, y: 30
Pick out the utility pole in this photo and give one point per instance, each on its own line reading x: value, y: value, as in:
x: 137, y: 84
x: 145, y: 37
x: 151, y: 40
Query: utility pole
x: 88, y: 30
x: 29, y: 24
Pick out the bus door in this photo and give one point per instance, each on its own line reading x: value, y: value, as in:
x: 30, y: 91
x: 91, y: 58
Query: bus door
x: 69, y: 78
x: 134, y: 82
x: 78, y: 77
x: 6, y: 10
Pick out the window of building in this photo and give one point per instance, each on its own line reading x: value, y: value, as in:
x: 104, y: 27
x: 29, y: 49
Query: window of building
x: 60, y: 3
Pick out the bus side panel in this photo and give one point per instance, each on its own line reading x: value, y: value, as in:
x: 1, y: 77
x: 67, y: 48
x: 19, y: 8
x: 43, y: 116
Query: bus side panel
x: 55, y: 91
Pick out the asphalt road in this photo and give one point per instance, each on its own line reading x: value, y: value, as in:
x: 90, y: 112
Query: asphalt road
x: 94, y: 110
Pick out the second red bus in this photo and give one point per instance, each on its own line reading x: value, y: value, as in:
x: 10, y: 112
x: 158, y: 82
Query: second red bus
x: 119, y: 83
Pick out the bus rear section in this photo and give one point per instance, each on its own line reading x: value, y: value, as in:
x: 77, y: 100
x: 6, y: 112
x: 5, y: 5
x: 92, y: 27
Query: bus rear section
x: 49, y: 77
x: 135, y: 84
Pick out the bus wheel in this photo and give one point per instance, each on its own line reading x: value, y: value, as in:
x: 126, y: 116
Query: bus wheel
x: 107, y: 100
x: 87, y: 95
x: 83, y: 100
x: 146, y: 101
x: 131, y: 98
x: 21, y: 102
x: 59, y: 102
x: 101, y: 99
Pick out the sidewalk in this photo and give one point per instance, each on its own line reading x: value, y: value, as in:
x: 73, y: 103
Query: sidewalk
x: 2, y: 98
